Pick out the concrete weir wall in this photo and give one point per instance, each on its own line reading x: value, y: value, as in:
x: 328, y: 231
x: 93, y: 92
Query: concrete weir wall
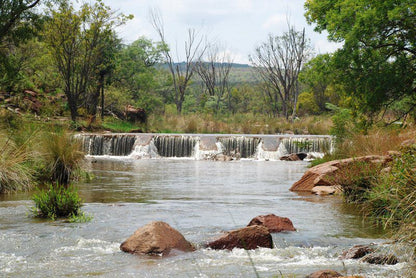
x: 203, y: 146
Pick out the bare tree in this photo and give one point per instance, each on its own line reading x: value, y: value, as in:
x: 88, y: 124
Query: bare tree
x: 214, y: 71
x: 181, y: 72
x: 279, y: 61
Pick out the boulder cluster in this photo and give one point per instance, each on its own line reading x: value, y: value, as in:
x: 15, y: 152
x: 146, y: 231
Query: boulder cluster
x: 159, y: 238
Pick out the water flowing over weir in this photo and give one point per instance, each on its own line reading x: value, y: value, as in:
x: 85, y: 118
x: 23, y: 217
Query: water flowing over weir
x: 203, y: 146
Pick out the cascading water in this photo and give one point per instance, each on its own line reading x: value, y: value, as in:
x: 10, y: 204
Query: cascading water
x: 240, y: 146
x: 175, y: 146
x: 203, y: 146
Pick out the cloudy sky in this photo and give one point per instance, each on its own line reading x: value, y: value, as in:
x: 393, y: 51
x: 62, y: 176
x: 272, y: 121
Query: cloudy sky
x: 238, y: 25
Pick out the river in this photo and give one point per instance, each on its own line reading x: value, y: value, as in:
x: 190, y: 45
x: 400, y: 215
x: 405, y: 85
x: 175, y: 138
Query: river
x: 199, y: 198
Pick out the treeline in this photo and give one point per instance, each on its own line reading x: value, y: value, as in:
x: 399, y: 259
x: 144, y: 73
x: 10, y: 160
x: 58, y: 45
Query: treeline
x: 75, y: 55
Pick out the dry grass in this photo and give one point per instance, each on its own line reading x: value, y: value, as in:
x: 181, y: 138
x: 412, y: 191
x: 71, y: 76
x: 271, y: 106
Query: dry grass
x: 379, y: 141
x: 15, y: 173
x: 62, y: 155
x: 238, y: 124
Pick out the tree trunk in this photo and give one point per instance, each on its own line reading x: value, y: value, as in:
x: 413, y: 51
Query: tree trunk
x: 72, y: 103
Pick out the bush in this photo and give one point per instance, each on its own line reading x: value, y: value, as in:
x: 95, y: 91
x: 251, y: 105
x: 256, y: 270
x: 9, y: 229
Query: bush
x: 57, y: 202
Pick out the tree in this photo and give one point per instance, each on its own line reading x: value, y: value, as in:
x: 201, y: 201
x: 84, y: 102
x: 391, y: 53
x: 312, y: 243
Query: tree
x: 377, y: 63
x: 82, y: 44
x: 18, y: 22
x: 316, y: 76
x: 279, y: 61
x: 214, y: 71
x: 15, y: 17
x: 136, y: 65
x: 181, y: 72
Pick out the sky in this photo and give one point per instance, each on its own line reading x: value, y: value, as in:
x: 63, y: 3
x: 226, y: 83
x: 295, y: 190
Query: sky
x: 237, y: 25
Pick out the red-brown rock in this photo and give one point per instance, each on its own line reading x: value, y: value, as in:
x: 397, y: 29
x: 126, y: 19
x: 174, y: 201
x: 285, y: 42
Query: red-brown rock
x: 357, y: 251
x: 248, y: 238
x: 294, y: 157
x: 135, y: 114
x: 322, y: 174
x: 273, y: 223
x: 324, y: 274
x: 156, y: 238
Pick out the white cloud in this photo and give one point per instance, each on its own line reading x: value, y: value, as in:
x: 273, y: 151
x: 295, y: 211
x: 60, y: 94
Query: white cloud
x: 275, y: 21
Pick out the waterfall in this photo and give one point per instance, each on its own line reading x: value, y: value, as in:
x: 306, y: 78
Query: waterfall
x: 203, y: 146
x: 239, y: 146
x: 175, y: 145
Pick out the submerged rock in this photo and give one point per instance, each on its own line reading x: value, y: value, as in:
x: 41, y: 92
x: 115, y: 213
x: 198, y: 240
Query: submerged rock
x: 248, y: 238
x: 273, y: 223
x: 357, y: 251
x: 294, y: 157
x: 156, y: 238
x: 326, y: 190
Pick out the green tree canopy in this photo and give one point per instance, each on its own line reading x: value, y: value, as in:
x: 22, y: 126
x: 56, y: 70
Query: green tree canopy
x: 377, y: 62
x: 82, y: 44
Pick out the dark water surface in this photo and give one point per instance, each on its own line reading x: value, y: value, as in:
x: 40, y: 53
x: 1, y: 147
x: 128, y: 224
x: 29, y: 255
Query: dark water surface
x: 201, y: 199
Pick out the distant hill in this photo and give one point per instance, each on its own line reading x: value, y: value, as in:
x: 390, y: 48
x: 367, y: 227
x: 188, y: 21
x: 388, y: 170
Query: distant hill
x: 240, y: 73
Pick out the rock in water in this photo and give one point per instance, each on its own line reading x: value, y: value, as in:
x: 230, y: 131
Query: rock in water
x: 273, y: 223
x: 357, y: 251
x: 156, y: 238
x: 294, y: 157
x: 248, y: 238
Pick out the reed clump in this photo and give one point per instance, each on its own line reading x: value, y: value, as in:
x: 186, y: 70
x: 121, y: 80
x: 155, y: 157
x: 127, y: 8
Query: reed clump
x: 15, y: 172
x: 62, y: 157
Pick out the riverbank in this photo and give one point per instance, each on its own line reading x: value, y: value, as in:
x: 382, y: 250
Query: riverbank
x: 383, y: 187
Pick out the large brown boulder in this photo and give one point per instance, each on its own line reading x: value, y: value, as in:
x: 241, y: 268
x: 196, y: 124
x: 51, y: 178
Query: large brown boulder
x: 273, y: 223
x: 248, y: 238
x: 322, y: 174
x: 156, y: 238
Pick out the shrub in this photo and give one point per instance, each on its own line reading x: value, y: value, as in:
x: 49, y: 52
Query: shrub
x: 56, y: 202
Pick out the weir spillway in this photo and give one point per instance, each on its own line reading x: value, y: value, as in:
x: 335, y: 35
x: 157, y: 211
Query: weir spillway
x: 203, y: 146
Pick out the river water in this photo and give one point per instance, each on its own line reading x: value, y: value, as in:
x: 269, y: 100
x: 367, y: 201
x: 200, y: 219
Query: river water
x: 201, y: 199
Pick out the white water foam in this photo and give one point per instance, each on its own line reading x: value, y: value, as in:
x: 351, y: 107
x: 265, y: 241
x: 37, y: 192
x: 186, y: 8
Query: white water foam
x: 96, y: 246
x: 144, y: 151
x: 207, y: 154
